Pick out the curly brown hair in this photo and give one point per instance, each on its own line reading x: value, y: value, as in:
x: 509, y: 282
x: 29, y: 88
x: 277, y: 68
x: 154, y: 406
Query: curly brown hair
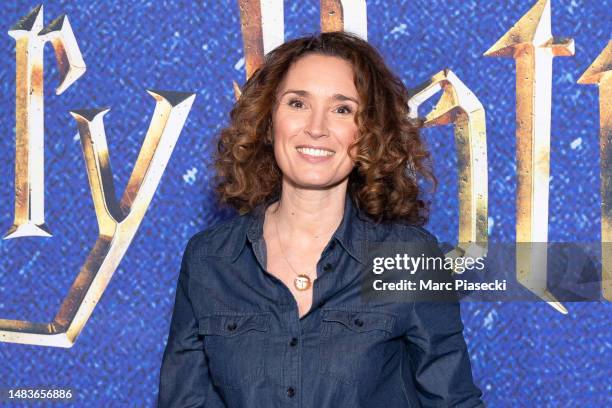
x: 390, y: 153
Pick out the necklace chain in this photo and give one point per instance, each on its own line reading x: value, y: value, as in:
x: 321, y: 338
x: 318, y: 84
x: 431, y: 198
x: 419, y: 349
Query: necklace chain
x: 302, y: 281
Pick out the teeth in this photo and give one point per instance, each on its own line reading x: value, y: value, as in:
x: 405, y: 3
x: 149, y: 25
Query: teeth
x: 314, y: 152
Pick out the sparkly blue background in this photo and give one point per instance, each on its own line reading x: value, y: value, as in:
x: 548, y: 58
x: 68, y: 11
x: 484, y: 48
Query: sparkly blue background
x: 523, y: 354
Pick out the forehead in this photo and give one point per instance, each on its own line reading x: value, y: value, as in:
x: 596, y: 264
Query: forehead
x: 320, y: 73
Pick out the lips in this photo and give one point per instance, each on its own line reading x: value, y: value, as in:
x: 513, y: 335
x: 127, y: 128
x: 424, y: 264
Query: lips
x: 314, y: 151
x: 315, y: 154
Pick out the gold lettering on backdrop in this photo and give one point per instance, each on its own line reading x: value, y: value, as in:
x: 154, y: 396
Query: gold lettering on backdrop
x: 600, y: 73
x: 117, y: 221
x: 533, y: 47
x: 344, y: 15
x: 261, y: 23
x: 459, y: 106
x: 263, y: 29
x: 30, y: 38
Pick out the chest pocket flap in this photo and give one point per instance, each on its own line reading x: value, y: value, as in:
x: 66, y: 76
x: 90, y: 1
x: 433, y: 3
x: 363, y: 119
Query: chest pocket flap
x: 235, y: 344
x: 234, y: 324
x: 361, y: 321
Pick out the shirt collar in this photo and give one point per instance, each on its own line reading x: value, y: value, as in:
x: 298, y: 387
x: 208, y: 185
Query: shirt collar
x: 351, y: 233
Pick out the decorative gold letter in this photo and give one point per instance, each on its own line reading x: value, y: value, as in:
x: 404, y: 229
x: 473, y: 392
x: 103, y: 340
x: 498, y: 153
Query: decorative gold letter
x: 30, y: 40
x: 263, y: 30
x: 600, y: 73
x: 117, y: 221
x: 531, y: 44
x: 342, y: 15
x: 262, y: 26
x: 459, y: 106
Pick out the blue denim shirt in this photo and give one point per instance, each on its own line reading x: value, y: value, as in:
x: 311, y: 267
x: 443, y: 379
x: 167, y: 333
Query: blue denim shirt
x: 236, y: 340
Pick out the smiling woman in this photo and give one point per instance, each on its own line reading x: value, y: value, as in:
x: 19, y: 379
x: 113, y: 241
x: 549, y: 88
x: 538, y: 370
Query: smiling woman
x: 313, y: 121
x: 338, y: 83
x: 319, y: 158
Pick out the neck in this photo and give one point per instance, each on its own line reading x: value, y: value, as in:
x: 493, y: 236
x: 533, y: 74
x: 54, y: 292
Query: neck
x: 312, y: 214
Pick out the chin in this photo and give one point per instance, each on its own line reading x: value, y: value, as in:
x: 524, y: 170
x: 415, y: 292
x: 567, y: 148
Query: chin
x: 315, y: 182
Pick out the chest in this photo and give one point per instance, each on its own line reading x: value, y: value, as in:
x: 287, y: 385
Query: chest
x: 281, y: 267
x: 251, y: 337
x: 346, y: 345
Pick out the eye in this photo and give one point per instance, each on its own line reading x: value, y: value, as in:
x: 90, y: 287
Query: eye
x: 295, y: 103
x: 345, y: 110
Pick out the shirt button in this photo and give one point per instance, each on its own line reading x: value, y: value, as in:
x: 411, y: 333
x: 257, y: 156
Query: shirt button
x: 327, y: 267
x: 232, y: 326
x: 358, y: 322
x: 290, y: 392
x: 293, y: 342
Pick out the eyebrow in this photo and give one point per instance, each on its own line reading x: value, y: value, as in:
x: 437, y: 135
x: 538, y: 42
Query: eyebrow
x: 337, y: 97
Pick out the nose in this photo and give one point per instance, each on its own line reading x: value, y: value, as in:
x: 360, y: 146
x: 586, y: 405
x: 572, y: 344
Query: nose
x: 316, y: 126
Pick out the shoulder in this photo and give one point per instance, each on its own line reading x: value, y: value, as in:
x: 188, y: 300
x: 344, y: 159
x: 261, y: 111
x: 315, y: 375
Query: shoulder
x: 219, y: 239
x: 395, y: 231
x: 419, y: 233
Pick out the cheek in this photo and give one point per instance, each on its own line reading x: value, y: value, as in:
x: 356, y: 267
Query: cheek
x: 286, y: 125
x: 348, y: 136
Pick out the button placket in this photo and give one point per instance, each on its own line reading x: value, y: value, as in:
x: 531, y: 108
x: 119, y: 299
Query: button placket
x: 328, y: 266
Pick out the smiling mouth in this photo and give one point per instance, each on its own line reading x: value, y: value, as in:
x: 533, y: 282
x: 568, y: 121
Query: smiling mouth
x: 315, y: 152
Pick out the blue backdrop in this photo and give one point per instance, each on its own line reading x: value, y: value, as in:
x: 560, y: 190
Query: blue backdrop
x: 523, y: 354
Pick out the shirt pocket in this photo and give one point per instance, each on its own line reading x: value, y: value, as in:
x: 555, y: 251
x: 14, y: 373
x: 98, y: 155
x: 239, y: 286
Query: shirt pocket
x: 353, y: 344
x: 235, y: 344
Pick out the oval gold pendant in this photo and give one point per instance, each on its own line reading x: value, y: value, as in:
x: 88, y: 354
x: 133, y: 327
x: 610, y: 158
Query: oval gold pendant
x: 302, y: 282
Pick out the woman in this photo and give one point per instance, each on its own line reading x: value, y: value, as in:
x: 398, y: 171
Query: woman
x: 319, y: 158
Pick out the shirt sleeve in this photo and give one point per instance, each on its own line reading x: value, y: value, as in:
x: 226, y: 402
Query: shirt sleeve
x: 184, y: 378
x: 438, y: 353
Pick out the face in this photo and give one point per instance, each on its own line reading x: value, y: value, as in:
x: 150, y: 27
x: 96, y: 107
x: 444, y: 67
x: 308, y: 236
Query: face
x: 313, y: 121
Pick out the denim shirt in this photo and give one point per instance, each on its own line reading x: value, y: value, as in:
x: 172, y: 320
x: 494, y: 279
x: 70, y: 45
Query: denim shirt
x: 236, y: 339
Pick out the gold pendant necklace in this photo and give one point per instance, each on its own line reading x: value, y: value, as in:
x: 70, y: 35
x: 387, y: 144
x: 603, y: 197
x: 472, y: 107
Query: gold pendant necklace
x: 301, y: 282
